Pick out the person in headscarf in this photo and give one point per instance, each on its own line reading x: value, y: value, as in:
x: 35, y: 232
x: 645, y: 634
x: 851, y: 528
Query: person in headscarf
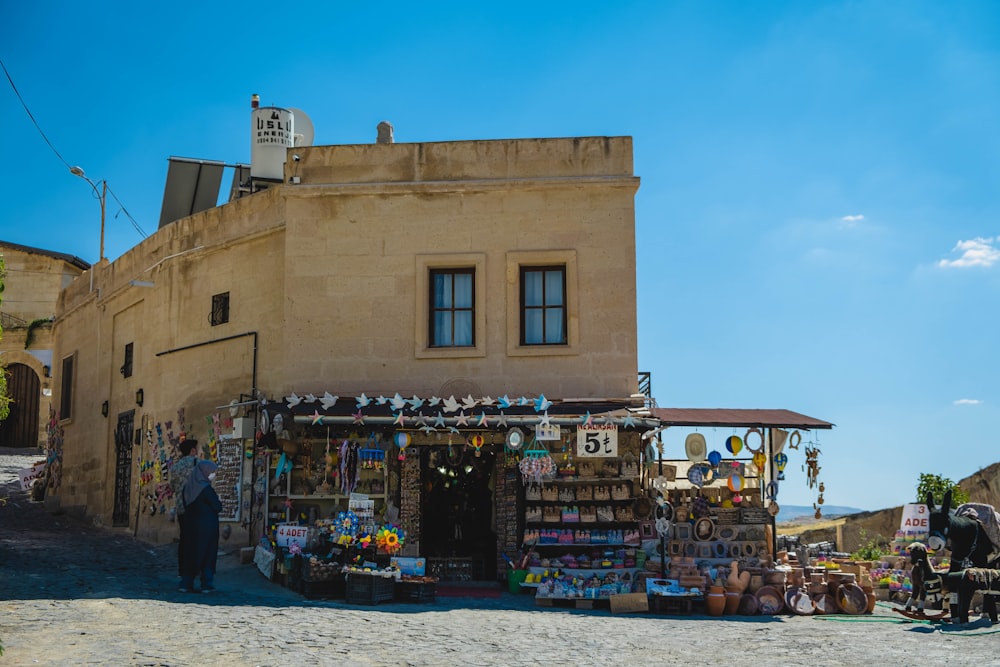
x: 179, y: 473
x: 200, y: 546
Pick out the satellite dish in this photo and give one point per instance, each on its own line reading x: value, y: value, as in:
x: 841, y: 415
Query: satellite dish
x: 304, y: 131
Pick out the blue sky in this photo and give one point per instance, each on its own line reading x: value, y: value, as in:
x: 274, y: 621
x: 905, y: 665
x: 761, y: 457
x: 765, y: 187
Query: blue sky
x: 817, y: 220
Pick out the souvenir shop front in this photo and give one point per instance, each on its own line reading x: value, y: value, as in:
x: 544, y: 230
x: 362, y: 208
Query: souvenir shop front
x: 425, y: 490
x: 693, y: 529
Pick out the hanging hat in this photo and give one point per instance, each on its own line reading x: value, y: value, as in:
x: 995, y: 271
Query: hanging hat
x: 696, y: 476
x: 695, y: 447
x: 714, y: 457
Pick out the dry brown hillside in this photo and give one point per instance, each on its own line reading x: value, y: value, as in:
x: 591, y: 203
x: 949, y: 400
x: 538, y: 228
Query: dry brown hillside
x: 983, y: 487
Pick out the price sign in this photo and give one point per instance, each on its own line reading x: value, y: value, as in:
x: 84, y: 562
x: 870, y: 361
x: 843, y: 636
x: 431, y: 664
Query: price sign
x: 288, y: 533
x: 915, y: 521
x: 597, y: 440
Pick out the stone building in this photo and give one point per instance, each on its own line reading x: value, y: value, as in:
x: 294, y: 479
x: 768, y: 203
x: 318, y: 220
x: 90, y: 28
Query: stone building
x: 32, y: 279
x: 458, y: 270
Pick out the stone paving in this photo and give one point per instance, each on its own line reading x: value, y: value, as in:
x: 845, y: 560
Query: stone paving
x: 75, y: 594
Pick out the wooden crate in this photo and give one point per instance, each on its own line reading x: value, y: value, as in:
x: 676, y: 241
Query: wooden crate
x: 416, y: 591
x: 369, y: 589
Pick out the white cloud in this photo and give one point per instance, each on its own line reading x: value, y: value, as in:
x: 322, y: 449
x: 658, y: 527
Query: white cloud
x: 977, y: 252
x: 968, y: 401
x: 851, y: 221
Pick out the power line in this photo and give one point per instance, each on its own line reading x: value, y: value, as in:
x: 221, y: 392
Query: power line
x: 28, y: 111
x: 128, y: 215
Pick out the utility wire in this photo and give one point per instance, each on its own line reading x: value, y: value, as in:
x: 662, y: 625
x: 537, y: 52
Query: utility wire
x: 28, y: 111
x: 58, y: 155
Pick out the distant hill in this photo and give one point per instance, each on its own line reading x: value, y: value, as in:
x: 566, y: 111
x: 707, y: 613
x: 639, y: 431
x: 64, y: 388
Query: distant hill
x: 789, y: 513
x: 860, y: 527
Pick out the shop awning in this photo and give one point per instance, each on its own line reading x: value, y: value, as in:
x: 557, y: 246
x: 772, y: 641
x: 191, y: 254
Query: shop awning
x: 737, y: 417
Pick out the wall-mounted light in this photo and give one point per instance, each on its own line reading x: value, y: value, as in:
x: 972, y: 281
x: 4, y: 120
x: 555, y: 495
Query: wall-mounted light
x: 45, y: 371
x: 139, y: 397
x: 104, y: 408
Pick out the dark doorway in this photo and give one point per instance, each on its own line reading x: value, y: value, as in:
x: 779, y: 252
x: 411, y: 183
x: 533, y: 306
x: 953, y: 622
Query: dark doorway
x: 123, y: 468
x: 457, y: 527
x: 20, y: 429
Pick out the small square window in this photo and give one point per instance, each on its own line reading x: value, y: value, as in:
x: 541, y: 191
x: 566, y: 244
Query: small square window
x: 220, y: 309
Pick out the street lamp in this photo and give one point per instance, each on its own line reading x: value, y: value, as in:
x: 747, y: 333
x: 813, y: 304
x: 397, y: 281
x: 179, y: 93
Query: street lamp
x: 101, y: 196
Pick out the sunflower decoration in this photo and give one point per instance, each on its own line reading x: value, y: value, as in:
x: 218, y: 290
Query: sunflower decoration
x: 390, y: 538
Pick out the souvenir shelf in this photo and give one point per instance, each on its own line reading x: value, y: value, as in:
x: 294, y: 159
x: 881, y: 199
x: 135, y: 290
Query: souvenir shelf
x: 718, y: 534
x: 584, y: 526
x: 308, y: 479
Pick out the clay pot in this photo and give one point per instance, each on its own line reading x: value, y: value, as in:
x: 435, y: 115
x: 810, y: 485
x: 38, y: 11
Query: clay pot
x: 871, y: 601
x: 732, y: 601
x: 715, y: 601
x: 756, y: 582
x: 774, y: 578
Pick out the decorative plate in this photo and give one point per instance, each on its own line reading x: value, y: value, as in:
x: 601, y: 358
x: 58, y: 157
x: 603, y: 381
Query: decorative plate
x: 704, y: 529
x: 726, y: 533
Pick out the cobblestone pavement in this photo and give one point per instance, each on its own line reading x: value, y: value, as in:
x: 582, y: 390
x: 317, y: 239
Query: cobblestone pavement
x: 75, y: 594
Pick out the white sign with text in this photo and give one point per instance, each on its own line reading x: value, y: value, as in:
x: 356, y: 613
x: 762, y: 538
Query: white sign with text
x: 596, y: 440
x: 915, y: 521
x: 29, y: 475
x: 291, y: 533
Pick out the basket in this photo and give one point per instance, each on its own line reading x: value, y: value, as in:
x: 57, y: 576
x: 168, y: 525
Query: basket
x: 550, y: 494
x: 369, y: 589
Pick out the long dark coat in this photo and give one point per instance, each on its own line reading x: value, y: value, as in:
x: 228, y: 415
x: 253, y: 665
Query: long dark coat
x: 200, y: 547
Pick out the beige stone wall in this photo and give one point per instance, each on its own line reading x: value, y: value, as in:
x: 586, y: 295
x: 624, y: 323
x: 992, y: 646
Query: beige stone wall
x: 327, y: 285
x: 32, y: 283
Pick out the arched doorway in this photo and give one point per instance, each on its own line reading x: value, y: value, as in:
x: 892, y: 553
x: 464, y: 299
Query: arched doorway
x: 20, y: 429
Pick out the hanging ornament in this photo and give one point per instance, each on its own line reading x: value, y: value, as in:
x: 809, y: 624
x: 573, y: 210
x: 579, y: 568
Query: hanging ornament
x: 402, y: 439
x: 715, y: 458
x: 734, y: 444
x: 794, y: 439
x: 515, y: 439
x: 735, y: 482
x: 759, y: 459
x: 781, y: 460
x: 476, y: 442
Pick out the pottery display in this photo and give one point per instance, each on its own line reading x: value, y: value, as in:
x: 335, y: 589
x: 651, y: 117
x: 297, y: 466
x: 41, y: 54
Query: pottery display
x: 715, y: 601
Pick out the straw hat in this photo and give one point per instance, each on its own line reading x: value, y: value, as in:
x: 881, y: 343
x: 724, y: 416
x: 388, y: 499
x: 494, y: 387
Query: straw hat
x: 695, y: 447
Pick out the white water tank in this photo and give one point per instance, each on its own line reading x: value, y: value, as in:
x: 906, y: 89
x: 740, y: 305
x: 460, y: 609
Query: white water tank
x: 272, y: 133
